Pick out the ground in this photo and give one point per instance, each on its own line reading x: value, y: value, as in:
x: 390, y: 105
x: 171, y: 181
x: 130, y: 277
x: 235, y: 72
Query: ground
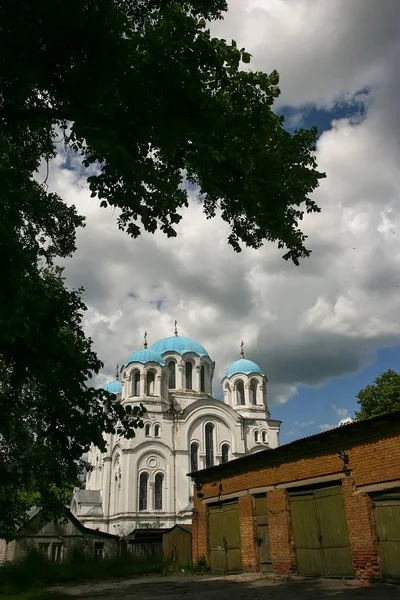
x: 246, y: 586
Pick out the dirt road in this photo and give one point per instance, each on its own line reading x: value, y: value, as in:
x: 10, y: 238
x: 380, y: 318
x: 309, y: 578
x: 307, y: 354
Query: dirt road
x: 246, y: 586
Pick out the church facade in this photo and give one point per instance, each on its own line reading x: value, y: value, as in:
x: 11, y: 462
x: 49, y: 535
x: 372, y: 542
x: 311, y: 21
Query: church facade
x: 143, y: 482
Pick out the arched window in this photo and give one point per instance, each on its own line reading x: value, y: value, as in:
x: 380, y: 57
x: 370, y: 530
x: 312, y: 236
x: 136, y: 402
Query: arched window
x: 188, y: 375
x: 194, y: 457
x: 224, y: 453
x: 143, y: 485
x: 158, y: 491
x: 150, y: 383
x: 240, y: 393
x: 209, y: 431
x: 135, y: 383
x: 264, y: 437
x: 172, y: 379
x: 202, y: 379
x: 117, y: 491
x: 256, y: 436
x: 253, y: 391
x: 156, y: 431
x: 147, y: 429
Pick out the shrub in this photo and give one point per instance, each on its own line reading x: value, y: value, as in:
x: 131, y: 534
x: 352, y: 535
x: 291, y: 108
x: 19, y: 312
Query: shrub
x: 35, y: 571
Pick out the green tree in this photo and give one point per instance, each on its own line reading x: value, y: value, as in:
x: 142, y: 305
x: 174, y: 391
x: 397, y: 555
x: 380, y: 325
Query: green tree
x: 147, y: 99
x: 380, y: 398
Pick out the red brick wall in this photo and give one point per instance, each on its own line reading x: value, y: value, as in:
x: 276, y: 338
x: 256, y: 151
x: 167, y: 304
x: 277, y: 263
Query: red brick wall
x: 199, y: 530
x: 370, y: 462
x: 363, y: 542
x: 248, y: 534
x: 283, y: 557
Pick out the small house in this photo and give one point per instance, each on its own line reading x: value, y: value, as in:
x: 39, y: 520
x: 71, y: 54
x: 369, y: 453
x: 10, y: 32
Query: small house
x: 60, y: 539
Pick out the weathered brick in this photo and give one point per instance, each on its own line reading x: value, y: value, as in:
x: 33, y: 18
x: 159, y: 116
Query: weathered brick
x: 374, y: 461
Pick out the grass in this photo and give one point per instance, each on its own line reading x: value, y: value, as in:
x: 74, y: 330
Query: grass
x: 27, y: 578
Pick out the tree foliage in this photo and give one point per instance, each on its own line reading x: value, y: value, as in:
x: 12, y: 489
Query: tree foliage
x: 148, y: 99
x: 380, y: 398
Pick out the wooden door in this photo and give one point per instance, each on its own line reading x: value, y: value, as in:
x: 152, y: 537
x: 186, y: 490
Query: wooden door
x: 224, y: 538
x: 387, y: 523
x: 261, y: 515
x: 320, y: 532
x: 333, y: 531
x: 306, y: 534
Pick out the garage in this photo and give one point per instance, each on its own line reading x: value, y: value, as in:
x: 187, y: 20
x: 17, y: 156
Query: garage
x: 386, y: 509
x: 320, y: 533
x: 224, y: 536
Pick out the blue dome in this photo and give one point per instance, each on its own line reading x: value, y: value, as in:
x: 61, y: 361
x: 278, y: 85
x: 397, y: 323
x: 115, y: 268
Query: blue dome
x: 115, y: 387
x: 180, y: 345
x: 144, y: 356
x: 243, y: 366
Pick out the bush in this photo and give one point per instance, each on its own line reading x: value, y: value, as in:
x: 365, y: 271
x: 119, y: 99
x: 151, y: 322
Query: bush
x: 35, y: 571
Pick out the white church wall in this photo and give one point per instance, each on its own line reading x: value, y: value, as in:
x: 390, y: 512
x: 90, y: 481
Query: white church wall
x: 163, y: 447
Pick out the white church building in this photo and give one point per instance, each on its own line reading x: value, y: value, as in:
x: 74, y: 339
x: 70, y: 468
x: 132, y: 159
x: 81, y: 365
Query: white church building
x: 142, y: 482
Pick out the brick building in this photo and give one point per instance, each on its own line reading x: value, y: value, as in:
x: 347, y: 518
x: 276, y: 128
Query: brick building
x: 327, y: 505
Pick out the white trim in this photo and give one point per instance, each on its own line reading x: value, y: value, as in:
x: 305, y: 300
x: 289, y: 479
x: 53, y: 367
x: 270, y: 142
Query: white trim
x: 223, y: 497
x: 378, y: 487
x: 261, y: 490
x: 311, y: 481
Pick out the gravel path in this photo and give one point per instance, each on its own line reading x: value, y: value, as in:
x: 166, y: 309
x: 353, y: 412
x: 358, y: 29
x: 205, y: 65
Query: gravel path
x: 246, y: 586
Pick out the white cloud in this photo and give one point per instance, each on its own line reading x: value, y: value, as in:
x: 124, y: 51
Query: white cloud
x: 302, y: 325
x: 341, y: 412
x: 304, y: 423
x: 326, y: 426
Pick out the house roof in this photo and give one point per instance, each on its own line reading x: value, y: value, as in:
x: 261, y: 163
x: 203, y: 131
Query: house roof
x: 146, y: 534
x: 34, y: 511
x: 339, y: 438
x: 187, y: 528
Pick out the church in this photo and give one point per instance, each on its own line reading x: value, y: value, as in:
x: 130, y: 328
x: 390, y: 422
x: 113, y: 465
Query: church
x: 142, y: 482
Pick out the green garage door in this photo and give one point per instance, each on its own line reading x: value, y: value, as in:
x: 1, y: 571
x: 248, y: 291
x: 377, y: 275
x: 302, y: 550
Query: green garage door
x: 224, y: 536
x: 320, y: 532
x: 387, y: 523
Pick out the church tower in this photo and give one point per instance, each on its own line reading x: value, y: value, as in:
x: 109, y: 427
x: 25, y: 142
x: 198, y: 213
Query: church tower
x: 245, y: 390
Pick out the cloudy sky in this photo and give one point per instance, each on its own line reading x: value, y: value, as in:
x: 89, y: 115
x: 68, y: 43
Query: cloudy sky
x: 320, y: 331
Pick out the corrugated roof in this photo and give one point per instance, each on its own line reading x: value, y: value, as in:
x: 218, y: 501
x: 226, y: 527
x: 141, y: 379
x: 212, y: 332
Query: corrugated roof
x: 343, y: 435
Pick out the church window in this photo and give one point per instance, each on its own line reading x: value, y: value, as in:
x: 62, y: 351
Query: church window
x: 194, y: 457
x: 143, y: 485
x: 135, y: 383
x: 224, y: 453
x: 264, y: 437
x: 158, y: 491
x: 156, y: 431
x: 240, y: 393
x: 147, y: 429
x: 256, y: 436
x: 172, y: 376
x: 150, y: 383
x: 209, y: 432
x: 253, y: 391
x: 202, y: 379
x: 188, y: 375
